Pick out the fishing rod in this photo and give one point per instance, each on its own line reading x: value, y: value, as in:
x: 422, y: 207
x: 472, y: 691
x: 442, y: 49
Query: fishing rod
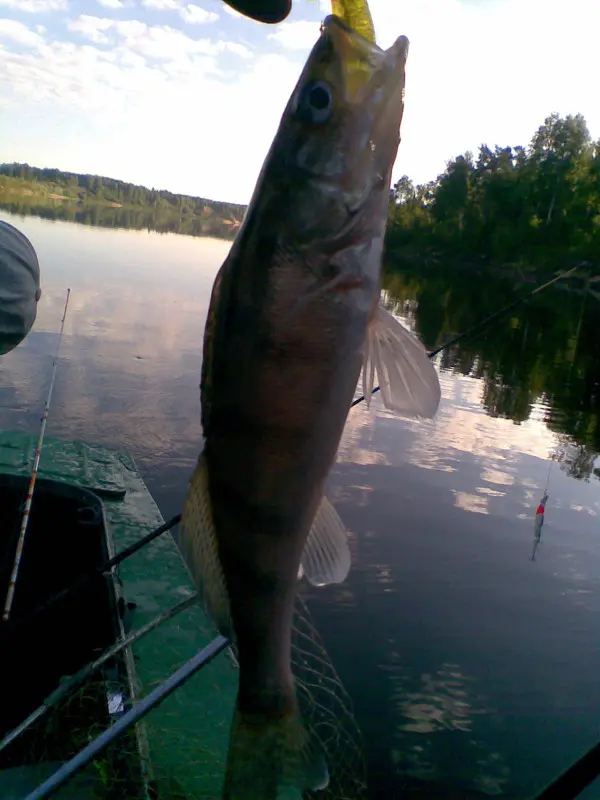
x: 73, y: 682
x: 486, y: 321
x: 68, y: 770
x: 574, y: 780
x: 87, y: 576
x: 36, y: 461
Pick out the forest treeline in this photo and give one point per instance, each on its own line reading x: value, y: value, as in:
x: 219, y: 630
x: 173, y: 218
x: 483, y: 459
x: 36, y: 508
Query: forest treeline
x: 93, y: 199
x: 533, y: 206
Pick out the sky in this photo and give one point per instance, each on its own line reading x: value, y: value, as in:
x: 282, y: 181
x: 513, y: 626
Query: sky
x: 187, y: 96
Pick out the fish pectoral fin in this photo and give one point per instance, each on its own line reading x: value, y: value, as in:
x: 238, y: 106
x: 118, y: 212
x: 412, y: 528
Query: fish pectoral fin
x: 272, y: 758
x: 326, y: 556
x: 408, y: 380
x: 199, y: 549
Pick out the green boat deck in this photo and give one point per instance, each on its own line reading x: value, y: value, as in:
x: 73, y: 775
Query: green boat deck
x: 187, y: 735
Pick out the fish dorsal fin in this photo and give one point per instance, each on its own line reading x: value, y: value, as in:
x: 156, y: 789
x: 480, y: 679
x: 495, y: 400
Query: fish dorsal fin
x: 408, y: 380
x: 326, y: 556
x: 199, y: 549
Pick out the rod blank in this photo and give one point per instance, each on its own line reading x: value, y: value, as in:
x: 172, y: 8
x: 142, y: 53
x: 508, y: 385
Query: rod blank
x: 72, y: 683
x: 12, y: 584
x: 130, y: 718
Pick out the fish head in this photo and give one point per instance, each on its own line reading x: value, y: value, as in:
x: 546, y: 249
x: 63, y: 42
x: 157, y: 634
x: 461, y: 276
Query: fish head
x: 339, y: 137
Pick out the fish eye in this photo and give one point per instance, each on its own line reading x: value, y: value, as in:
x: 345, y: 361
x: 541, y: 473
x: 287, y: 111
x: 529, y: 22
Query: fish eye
x: 316, y: 102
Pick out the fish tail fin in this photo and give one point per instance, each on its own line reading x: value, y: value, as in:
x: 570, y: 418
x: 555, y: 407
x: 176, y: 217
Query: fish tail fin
x: 272, y: 759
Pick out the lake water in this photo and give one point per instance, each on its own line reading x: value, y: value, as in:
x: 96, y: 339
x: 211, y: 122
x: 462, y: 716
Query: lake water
x: 474, y: 669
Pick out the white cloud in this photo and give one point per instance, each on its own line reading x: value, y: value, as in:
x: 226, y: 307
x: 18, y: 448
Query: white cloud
x: 83, y: 77
x: 195, y: 15
x: 189, y: 12
x: 129, y: 59
x: 300, y: 35
x: 35, y: 6
x: 111, y: 3
x: 487, y: 71
x: 232, y: 12
x: 18, y: 32
x: 132, y: 30
x: 162, y: 5
x: 131, y: 110
x: 159, y: 42
x: 237, y: 49
x: 92, y: 28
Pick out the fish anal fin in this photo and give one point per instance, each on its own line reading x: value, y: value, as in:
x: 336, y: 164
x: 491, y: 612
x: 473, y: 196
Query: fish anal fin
x: 199, y: 549
x: 272, y: 759
x: 326, y: 556
x: 408, y: 380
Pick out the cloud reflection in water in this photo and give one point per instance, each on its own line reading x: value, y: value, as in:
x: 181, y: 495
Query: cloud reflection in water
x: 436, y: 723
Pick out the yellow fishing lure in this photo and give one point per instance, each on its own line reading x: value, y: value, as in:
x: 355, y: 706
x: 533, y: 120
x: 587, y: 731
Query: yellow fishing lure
x: 356, y: 14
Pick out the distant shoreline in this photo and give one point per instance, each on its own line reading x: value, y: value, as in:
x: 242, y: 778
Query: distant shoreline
x: 105, y: 202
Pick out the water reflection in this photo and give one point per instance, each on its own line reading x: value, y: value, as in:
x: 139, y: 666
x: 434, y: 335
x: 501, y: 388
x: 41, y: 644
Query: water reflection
x: 443, y: 515
x: 473, y: 670
x: 437, y: 716
x: 161, y: 220
x: 538, y: 362
x: 440, y: 704
x: 130, y: 357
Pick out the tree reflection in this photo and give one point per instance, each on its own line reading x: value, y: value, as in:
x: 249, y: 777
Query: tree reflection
x: 577, y: 460
x: 545, y: 352
x: 162, y: 220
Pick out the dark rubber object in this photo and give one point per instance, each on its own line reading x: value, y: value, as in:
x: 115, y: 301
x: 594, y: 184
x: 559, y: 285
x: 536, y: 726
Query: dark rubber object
x: 268, y: 11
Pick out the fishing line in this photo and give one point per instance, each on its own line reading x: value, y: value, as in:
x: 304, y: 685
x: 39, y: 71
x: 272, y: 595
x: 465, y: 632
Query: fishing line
x: 36, y: 461
x: 548, y: 477
x: 541, y: 510
x: 484, y: 322
x: 175, y: 520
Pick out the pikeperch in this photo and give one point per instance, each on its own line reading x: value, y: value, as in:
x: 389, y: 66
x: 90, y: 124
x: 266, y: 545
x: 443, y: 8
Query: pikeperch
x: 294, y: 315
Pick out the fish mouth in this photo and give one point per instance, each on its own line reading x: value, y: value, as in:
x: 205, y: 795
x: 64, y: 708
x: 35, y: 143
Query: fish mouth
x: 341, y: 165
x: 365, y: 68
x: 370, y: 85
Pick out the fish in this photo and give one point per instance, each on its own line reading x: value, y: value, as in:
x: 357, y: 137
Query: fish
x: 294, y: 319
